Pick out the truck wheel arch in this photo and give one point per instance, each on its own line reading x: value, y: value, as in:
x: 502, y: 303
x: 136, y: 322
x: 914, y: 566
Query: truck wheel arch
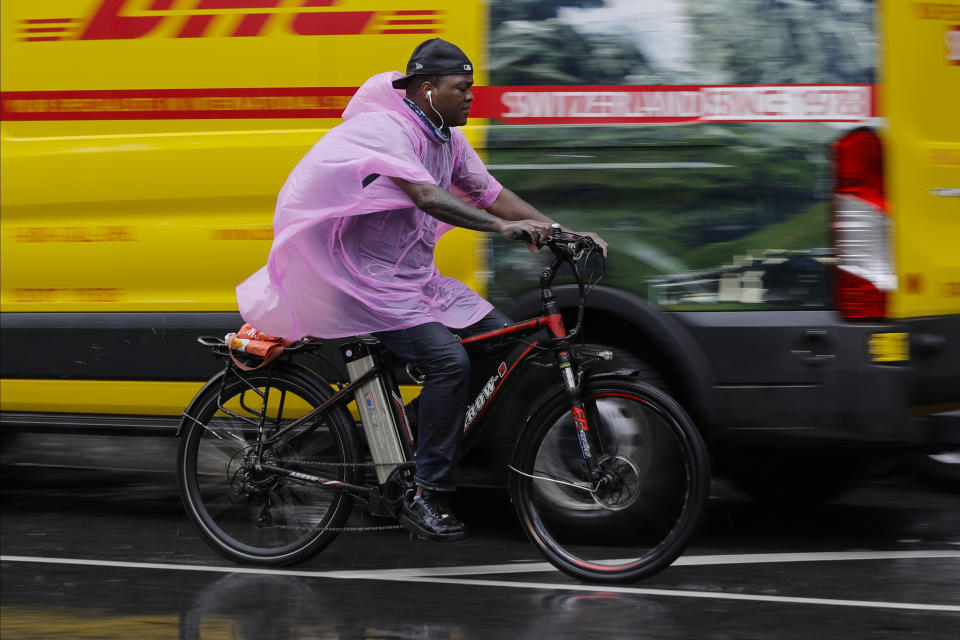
x: 632, y: 323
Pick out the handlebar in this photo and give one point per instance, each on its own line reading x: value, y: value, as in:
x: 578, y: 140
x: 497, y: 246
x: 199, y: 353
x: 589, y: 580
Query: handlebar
x: 562, y: 243
x: 572, y: 249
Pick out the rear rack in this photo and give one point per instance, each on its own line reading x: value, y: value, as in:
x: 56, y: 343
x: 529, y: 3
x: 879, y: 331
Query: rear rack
x: 219, y: 347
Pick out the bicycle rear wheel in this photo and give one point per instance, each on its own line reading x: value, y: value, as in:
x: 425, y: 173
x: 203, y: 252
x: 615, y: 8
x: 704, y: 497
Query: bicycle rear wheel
x: 649, y: 508
x: 254, y: 516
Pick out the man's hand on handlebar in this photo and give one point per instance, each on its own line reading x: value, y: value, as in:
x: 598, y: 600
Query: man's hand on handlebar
x: 530, y: 232
x: 597, y: 240
x: 534, y: 233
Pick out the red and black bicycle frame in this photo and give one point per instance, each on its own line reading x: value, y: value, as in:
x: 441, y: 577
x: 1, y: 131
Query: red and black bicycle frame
x: 546, y: 332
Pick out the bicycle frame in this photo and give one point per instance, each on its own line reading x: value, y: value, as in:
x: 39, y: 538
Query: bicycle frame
x: 546, y: 331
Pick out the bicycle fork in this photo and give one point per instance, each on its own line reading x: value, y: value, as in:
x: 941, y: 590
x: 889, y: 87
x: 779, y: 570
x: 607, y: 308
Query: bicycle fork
x: 591, y: 446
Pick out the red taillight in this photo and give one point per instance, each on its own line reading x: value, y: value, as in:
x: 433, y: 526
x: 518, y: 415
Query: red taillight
x: 859, y: 167
x: 861, y: 226
x: 858, y: 298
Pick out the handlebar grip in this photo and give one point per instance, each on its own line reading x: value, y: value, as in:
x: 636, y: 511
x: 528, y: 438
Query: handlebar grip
x: 521, y: 235
x: 583, y: 242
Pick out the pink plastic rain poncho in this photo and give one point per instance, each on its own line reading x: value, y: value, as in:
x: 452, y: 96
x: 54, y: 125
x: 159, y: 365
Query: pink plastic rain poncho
x: 348, y: 259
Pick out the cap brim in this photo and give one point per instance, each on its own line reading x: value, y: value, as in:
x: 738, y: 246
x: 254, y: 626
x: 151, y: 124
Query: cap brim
x: 401, y: 83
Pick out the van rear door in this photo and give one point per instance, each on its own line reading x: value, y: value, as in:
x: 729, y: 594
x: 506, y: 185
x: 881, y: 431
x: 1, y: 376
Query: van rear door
x: 920, y: 98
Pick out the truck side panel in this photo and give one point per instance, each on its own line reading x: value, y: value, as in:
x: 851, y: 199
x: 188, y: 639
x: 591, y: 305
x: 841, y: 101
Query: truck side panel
x: 144, y: 143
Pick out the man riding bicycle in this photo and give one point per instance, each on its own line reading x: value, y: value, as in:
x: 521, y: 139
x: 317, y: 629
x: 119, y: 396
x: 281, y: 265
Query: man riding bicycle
x: 354, y: 233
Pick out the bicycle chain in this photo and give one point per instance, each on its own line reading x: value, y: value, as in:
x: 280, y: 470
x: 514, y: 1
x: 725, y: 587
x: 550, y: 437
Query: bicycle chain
x: 355, y: 465
x: 385, y: 527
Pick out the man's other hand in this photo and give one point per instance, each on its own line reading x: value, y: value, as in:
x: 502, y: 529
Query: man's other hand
x: 534, y: 230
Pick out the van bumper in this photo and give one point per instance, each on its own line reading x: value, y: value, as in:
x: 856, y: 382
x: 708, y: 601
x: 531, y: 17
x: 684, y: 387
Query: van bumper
x: 809, y: 377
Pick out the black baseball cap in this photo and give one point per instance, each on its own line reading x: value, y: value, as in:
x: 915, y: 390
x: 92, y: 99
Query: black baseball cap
x: 435, y: 57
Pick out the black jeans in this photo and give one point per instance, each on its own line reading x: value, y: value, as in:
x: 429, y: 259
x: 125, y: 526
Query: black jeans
x: 433, y: 349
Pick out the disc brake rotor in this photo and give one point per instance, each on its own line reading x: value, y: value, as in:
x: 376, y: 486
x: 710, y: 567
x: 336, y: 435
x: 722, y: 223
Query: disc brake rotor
x: 622, y: 486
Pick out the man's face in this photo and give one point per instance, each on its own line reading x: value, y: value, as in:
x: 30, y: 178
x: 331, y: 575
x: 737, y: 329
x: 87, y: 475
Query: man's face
x: 452, y: 98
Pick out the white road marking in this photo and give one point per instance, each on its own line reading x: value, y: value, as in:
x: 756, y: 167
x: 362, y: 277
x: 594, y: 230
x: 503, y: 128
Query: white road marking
x: 693, y: 594
x: 689, y: 561
x: 435, y: 575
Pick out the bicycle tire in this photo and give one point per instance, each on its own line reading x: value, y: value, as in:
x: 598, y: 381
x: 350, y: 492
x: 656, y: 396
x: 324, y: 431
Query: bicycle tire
x: 635, y: 526
x: 254, y: 517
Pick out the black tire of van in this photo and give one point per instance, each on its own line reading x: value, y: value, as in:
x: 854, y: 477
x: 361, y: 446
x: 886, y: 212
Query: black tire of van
x: 767, y: 474
x: 791, y: 474
x: 941, y: 468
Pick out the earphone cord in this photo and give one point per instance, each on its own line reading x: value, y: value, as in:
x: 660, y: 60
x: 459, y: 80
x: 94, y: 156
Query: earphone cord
x: 430, y: 98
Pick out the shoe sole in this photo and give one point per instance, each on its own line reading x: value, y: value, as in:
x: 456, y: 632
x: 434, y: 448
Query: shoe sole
x: 416, y: 529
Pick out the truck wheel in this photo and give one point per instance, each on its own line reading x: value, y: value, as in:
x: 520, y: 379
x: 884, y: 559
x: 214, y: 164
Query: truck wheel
x: 942, y: 468
x: 794, y: 475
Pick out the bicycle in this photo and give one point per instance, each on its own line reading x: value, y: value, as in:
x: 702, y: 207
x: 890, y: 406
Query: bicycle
x: 609, y: 475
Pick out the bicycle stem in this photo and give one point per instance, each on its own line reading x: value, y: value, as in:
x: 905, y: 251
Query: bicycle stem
x: 549, y: 300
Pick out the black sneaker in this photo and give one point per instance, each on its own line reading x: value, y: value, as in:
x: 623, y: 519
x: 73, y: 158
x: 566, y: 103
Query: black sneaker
x: 428, y: 516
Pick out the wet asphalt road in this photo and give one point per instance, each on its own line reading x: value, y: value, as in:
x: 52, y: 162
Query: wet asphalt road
x: 109, y: 554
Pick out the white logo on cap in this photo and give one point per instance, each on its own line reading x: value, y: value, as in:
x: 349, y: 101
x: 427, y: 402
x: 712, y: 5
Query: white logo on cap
x: 467, y: 67
x: 417, y: 65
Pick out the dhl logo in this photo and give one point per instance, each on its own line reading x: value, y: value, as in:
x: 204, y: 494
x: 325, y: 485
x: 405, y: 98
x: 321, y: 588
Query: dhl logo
x: 130, y: 19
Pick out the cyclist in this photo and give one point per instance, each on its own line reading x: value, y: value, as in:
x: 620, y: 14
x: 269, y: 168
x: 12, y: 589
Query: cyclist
x: 354, y: 232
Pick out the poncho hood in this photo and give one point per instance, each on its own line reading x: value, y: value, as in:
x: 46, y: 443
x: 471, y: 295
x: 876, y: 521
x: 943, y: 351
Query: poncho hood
x: 377, y: 95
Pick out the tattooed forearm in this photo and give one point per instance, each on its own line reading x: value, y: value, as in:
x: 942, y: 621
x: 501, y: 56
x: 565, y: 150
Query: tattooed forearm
x: 446, y: 207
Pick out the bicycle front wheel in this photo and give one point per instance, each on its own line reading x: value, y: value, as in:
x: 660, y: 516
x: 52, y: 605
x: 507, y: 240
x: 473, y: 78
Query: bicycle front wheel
x: 246, y: 513
x: 644, y: 513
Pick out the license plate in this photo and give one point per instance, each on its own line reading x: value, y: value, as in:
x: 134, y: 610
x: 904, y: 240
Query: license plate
x: 890, y: 347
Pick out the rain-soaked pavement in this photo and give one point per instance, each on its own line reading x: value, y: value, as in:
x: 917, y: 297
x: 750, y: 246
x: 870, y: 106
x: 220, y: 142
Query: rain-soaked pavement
x: 109, y: 554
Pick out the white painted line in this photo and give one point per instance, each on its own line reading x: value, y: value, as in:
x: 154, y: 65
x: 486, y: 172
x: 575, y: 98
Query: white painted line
x: 83, y: 562
x: 870, y: 604
x: 823, y: 556
x: 689, y: 561
x: 401, y: 576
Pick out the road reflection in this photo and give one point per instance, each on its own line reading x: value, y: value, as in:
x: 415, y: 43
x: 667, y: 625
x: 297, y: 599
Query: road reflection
x: 249, y: 607
x: 254, y: 607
